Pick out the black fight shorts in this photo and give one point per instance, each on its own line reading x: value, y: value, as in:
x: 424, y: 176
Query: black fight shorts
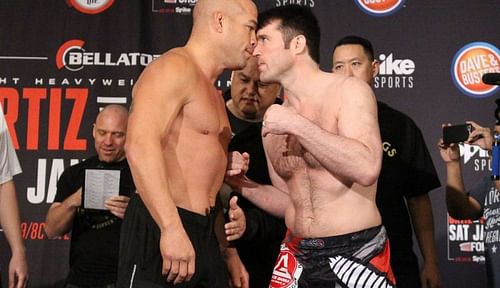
x: 140, y: 261
x: 359, y: 259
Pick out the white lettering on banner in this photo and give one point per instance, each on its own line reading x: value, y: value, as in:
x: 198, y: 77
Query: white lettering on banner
x: 83, y: 82
x: 478, y: 259
x: 394, y: 73
x: 458, y: 232
x: 390, y: 66
x: 78, y: 58
x: 15, y: 80
x: 477, y: 63
x: 482, y: 164
x: 468, y: 151
x: 471, y: 246
x: 38, y: 194
x: 479, y: 234
x: 182, y: 10
x: 393, y: 82
x: 309, y: 3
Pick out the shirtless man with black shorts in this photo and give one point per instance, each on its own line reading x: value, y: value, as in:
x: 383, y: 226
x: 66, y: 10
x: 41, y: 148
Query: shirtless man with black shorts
x: 177, y: 140
x: 324, y: 153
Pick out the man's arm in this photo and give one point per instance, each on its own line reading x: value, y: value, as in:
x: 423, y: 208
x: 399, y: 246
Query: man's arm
x: 11, y: 224
x: 459, y: 204
x: 423, y: 225
x: 273, y: 199
x: 155, y: 106
x: 353, y: 152
x: 59, y: 220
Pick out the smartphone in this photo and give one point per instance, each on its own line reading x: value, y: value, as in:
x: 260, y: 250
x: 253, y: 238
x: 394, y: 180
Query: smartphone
x: 456, y: 133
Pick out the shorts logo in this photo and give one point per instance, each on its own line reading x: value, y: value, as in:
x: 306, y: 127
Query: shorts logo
x: 90, y: 6
x: 470, y: 63
x: 286, y: 271
x: 379, y: 8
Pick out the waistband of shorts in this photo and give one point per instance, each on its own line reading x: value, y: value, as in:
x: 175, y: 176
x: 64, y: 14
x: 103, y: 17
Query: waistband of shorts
x: 185, y: 215
x: 358, y: 237
x: 196, y: 218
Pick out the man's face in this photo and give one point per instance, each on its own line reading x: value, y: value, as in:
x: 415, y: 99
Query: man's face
x: 241, y: 34
x: 272, y: 57
x: 109, y: 136
x: 250, y: 96
x: 351, y: 60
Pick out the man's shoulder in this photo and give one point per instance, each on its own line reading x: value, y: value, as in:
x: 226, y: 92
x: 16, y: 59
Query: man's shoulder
x: 175, y: 60
x: 89, y: 162
x: 391, y: 114
x: 350, y: 88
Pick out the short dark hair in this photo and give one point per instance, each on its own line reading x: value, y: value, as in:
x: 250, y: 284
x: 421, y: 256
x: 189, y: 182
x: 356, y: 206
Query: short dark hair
x: 294, y: 20
x: 356, y: 40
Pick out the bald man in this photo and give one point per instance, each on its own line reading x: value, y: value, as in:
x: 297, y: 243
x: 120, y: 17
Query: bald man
x: 95, y: 234
x: 177, y: 142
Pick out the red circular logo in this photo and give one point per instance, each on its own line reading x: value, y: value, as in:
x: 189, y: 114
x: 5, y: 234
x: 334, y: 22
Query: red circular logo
x: 379, y: 7
x: 91, y: 7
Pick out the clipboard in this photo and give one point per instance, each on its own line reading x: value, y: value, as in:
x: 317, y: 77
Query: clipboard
x: 99, y: 184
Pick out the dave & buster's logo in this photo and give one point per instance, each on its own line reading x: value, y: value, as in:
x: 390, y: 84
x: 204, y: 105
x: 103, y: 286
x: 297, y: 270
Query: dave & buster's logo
x: 470, y: 63
x: 379, y: 7
x: 72, y: 56
x: 90, y: 6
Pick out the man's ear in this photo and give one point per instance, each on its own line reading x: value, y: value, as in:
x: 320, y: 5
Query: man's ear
x: 218, y: 20
x: 375, y: 67
x: 299, y: 44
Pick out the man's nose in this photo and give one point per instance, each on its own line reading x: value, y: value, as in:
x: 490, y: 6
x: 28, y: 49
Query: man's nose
x: 253, y: 40
x: 108, y: 139
x: 253, y: 88
x: 348, y: 71
x: 256, y: 50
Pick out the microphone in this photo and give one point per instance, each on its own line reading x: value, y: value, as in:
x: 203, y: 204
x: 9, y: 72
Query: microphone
x: 491, y: 78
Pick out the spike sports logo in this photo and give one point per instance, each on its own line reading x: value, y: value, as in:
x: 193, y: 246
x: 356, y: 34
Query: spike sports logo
x: 470, y: 63
x: 90, y: 6
x: 379, y: 8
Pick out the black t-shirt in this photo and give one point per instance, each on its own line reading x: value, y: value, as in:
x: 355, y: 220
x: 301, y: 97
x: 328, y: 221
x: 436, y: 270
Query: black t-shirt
x: 259, y: 246
x: 407, y: 170
x: 95, y: 235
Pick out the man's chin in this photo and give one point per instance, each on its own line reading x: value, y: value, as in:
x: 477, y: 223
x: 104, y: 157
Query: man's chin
x: 107, y: 158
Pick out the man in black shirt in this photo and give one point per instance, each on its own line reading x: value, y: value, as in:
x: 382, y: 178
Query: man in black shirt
x: 407, y: 173
x: 95, y: 234
x: 246, y: 103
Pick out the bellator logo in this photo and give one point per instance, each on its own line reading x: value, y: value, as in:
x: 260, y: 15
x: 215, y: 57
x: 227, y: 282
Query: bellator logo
x: 90, y: 6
